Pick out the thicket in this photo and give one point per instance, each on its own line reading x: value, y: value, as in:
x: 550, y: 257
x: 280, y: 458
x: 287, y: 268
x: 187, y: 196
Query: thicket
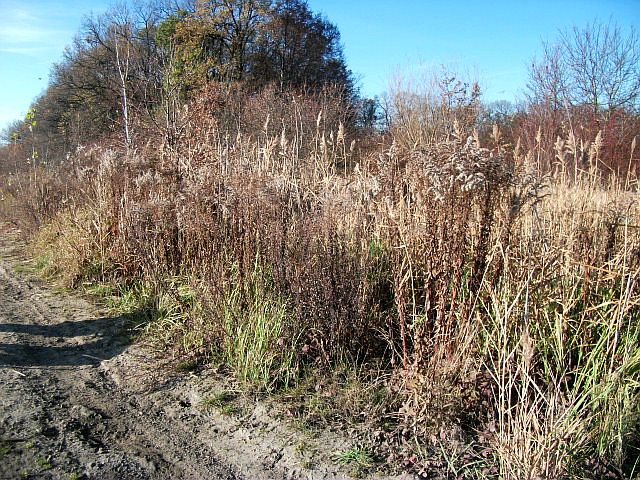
x: 476, y: 294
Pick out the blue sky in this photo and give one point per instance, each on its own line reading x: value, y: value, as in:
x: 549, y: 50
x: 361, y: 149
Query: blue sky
x: 493, y: 40
x: 33, y: 35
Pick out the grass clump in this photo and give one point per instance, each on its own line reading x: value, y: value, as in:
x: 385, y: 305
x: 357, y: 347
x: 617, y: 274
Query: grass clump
x: 359, y: 459
x: 259, y: 345
x: 223, y: 402
x: 187, y: 366
x: 358, y: 456
x: 5, y: 448
x: 44, y: 464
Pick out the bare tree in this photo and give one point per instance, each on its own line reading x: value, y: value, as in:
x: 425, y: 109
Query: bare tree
x: 598, y: 66
x: 426, y: 109
x: 605, y: 65
x: 548, y: 77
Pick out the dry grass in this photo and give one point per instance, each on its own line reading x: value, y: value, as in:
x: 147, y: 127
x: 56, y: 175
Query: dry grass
x: 500, y: 306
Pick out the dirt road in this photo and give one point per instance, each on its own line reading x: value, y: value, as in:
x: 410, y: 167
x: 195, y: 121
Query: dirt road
x: 77, y: 401
x: 64, y: 408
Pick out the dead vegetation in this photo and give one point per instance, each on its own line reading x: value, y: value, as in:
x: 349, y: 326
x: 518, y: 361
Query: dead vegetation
x: 476, y: 315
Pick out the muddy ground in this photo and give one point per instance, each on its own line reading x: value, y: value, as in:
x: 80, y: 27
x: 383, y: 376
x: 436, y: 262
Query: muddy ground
x: 78, y: 400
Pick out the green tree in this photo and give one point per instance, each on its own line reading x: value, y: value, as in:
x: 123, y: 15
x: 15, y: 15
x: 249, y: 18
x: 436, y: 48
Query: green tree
x: 258, y: 42
x: 298, y: 48
x: 214, y: 40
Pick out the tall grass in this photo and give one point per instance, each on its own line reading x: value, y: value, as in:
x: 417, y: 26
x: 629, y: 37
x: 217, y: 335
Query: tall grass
x: 502, y: 303
x: 259, y: 345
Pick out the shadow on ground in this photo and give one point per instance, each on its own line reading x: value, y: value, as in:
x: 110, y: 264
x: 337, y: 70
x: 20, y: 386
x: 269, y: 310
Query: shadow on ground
x: 70, y: 343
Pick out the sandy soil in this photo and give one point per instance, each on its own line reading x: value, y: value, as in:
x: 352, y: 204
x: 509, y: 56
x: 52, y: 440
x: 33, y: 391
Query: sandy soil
x: 78, y: 401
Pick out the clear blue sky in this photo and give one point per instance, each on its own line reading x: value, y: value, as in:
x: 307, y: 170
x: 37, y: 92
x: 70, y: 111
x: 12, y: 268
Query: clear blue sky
x: 495, y: 40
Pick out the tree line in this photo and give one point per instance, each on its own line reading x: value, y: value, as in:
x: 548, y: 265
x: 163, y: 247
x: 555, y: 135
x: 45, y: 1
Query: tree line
x: 140, y: 63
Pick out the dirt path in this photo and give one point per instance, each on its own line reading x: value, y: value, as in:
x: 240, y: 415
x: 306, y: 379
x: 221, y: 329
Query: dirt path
x: 76, y: 401
x: 62, y: 412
